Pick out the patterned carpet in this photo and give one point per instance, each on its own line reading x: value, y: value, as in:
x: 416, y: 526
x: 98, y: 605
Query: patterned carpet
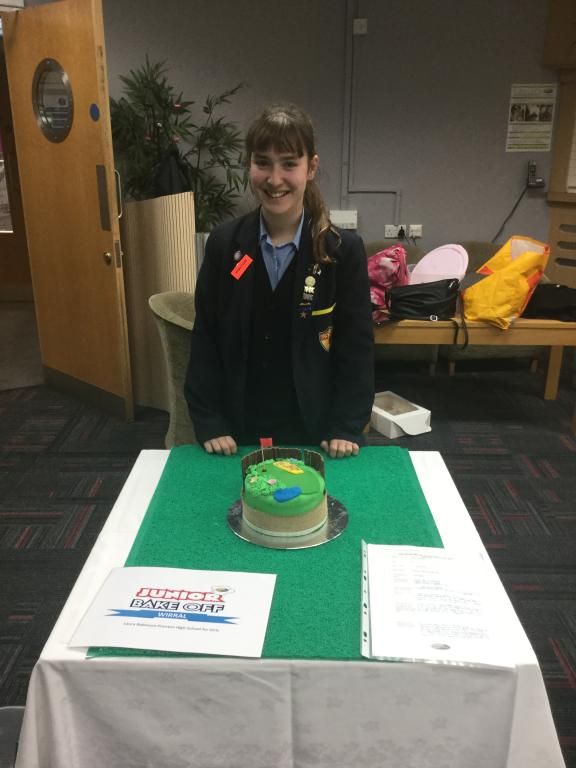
x: 62, y: 465
x: 511, y: 454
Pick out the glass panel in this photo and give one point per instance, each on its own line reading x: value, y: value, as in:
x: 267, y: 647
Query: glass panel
x: 52, y: 100
x: 5, y: 218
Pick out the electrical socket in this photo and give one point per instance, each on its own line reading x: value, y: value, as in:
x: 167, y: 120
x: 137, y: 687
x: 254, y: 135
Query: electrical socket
x: 414, y: 230
x: 391, y: 230
x: 344, y: 219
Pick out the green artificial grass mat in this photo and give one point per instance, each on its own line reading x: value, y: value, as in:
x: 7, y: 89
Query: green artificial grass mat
x: 315, y: 611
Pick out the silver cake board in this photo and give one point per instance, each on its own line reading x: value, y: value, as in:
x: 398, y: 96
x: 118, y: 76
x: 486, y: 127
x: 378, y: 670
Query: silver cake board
x: 336, y: 522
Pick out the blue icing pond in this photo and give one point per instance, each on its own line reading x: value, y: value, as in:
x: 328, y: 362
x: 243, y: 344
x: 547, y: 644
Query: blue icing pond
x: 285, y: 494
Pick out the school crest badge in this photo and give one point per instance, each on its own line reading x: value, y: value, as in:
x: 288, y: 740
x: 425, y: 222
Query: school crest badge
x: 326, y: 338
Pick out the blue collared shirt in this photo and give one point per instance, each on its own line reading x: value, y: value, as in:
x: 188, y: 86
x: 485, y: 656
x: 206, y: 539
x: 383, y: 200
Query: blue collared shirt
x: 277, y: 258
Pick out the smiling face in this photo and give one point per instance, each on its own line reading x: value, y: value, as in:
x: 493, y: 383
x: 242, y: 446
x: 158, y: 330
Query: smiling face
x: 278, y: 179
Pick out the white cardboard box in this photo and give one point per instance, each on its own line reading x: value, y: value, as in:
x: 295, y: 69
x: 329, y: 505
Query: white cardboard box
x: 393, y: 416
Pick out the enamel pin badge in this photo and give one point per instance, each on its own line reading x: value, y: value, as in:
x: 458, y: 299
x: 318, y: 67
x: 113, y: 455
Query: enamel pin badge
x: 325, y: 338
x: 305, y: 306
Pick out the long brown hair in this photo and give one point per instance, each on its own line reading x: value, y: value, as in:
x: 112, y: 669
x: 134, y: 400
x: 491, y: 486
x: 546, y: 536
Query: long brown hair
x: 287, y: 128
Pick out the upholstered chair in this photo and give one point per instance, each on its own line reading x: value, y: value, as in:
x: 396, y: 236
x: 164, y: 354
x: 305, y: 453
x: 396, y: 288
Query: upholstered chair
x: 174, y: 313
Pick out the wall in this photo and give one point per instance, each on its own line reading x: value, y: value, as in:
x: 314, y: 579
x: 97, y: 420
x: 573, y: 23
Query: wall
x: 431, y: 89
x: 419, y: 105
x: 283, y: 51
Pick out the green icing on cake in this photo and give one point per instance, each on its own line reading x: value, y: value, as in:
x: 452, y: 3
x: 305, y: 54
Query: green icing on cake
x: 259, y: 494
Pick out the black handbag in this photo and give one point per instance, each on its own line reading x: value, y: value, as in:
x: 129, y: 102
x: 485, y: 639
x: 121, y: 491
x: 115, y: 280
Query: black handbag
x: 552, y: 302
x: 424, y: 301
x: 439, y: 300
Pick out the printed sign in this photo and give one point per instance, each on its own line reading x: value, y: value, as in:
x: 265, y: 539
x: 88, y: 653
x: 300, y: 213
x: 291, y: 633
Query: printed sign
x: 174, y: 609
x: 530, y: 118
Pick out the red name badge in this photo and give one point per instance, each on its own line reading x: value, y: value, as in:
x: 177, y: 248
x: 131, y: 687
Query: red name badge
x: 241, y: 267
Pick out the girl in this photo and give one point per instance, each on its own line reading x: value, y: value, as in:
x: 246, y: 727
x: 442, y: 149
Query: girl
x: 282, y: 344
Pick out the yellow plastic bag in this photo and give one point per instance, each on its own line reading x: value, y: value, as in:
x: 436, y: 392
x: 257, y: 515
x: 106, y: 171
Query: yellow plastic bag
x: 513, y: 273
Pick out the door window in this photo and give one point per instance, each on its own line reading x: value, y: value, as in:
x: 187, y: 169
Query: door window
x: 52, y: 100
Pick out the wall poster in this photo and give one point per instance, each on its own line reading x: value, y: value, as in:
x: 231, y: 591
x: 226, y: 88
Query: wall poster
x: 530, y: 117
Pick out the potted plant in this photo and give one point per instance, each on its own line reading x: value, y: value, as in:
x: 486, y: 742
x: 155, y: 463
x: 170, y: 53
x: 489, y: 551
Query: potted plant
x: 157, y: 144
x: 179, y: 177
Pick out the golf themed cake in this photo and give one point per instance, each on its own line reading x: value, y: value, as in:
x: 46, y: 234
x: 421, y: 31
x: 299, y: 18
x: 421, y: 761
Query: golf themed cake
x: 283, y: 491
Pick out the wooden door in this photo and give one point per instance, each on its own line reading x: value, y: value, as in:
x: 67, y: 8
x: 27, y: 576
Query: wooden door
x: 69, y: 198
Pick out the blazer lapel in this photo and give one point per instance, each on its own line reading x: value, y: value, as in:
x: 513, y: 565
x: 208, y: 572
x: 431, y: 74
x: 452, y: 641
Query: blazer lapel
x: 303, y: 263
x: 245, y: 244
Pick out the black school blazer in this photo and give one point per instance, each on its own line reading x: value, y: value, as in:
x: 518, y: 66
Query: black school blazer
x: 335, y: 386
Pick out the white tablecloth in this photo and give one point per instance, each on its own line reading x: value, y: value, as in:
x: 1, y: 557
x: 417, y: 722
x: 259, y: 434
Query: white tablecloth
x: 246, y: 713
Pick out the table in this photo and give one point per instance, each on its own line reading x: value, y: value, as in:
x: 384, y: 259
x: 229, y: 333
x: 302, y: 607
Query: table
x: 266, y: 713
x: 543, y: 333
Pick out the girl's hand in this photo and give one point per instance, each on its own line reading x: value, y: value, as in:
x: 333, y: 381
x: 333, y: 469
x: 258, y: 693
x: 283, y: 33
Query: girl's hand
x: 340, y: 449
x: 225, y: 445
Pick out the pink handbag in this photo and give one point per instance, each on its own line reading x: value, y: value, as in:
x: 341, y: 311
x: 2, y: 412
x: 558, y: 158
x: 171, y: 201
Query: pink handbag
x: 386, y: 269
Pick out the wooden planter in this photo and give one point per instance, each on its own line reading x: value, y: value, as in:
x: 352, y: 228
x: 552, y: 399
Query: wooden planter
x: 159, y: 255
